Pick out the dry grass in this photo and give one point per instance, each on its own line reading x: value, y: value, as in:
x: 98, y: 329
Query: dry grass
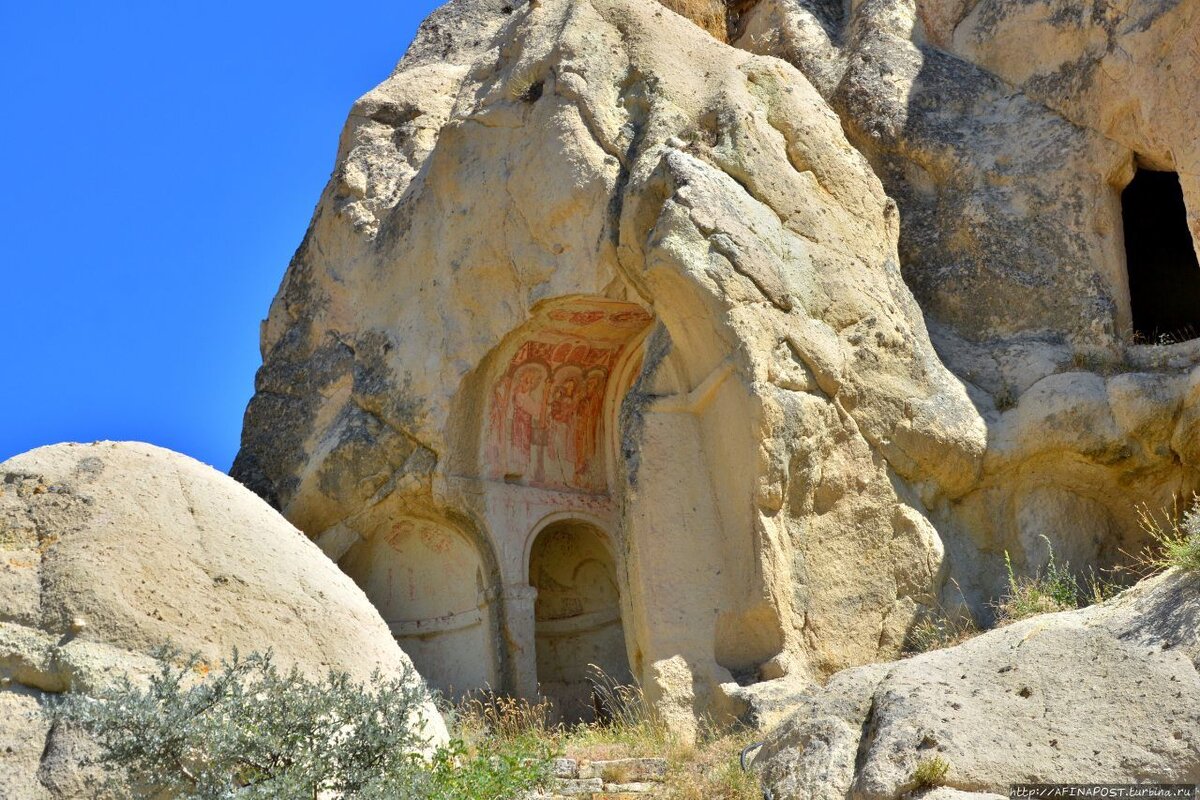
x: 1044, y: 593
x: 708, y: 769
x: 712, y: 771
x: 939, y: 631
x: 1174, y: 536
x: 930, y: 774
x: 1056, y: 588
x: 486, y: 715
x: 941, y: 628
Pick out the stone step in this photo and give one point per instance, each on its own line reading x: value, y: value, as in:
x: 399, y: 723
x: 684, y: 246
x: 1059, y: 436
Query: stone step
x: 573, y: 787
x: 608, y: 779
x: 640, y: 789
x: 626, y: 770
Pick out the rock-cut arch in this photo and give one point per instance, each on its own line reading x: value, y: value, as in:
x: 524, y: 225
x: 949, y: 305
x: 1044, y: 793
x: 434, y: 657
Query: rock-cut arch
x: 540, y: 429
x: 431, y: 585
x: 580, y: 637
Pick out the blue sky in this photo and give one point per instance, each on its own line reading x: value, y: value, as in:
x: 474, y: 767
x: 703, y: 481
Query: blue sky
x: 161, y: 162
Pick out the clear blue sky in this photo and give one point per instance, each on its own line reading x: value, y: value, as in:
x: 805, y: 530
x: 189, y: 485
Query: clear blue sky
x: 161, y: 162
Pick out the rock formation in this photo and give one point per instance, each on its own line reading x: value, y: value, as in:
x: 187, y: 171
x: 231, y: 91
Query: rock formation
x: 722, y: 354
x: 1102, y: 695
x: 111, y: 550
x: 1006, y: 132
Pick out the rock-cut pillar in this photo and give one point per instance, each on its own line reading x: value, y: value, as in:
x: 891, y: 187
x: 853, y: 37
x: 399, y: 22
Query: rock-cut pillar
x: 520, y: 639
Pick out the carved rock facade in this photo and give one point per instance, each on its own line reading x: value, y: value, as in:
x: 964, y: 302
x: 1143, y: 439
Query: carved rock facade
x: 607, y: 344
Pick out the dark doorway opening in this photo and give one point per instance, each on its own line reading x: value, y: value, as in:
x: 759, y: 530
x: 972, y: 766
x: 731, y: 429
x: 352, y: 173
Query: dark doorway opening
x: 1164, y: 276
x: 577, y: 619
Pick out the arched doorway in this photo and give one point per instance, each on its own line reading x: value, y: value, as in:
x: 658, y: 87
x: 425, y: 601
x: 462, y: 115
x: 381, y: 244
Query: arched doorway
x: 577, y: 617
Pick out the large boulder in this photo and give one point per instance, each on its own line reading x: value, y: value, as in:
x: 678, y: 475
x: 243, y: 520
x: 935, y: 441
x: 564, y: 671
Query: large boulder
x: 109, y: 550
x: 1102, y: 695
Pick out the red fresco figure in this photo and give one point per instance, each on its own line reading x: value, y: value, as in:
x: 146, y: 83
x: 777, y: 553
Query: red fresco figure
x: 497, y: 417
x: 587, y: 428
x: 546, y: 415
x: 563, y: 404
x: 526, y: 413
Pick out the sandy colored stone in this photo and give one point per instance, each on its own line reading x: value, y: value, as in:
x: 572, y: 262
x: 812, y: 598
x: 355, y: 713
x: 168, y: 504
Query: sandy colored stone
x: 111, y: 550
x: 1005, y: 133
x: 782, y: 408
x: 869, y: 259
x: 708, y: 14
x: 1101, y: 695
x: 626, y: 770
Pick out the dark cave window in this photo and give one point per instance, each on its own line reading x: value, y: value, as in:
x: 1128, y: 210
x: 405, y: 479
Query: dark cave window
x: 1164, y: 276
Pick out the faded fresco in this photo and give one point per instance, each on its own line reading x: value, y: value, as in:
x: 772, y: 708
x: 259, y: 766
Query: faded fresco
x: 546, y: 411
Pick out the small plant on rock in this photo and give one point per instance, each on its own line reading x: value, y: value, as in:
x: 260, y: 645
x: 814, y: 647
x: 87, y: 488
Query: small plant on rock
x: 1005, y: 398
x: 930, y: 773
x: 1053, y: 589
x: 1175, y: 539
x: 939, y: 631
x: 940, y: 627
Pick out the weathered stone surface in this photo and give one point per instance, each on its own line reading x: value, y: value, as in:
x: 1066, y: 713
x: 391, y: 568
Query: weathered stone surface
x: 782, y: 403
x: 1106, y: 694
x: 111, y: 550
x: 576, y: 786
x: 944, y: 793
x: 626, y: 770
x: 1005, y: 132
x: 806, y: 349
x: 1116, y: 70
x: 640, y: 790
x: 985, y: 245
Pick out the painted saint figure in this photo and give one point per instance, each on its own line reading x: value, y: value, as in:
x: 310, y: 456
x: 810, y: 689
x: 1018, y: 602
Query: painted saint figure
x: 546, y: 411
x: 497, y: 422
x: 561, y: 427
x: 528, y: 391
x: 587, y: 429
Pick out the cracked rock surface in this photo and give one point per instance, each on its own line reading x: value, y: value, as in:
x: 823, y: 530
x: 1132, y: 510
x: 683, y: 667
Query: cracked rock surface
x: 611, y: 149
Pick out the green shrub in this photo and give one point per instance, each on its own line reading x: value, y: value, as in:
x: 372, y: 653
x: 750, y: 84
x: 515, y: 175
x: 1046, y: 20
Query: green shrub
x: 493, y: 769
x: 1054, y: 589
x: 939, y: 630
x: 247, y: 730
x: 1175, y: 540
x: 930, y: 773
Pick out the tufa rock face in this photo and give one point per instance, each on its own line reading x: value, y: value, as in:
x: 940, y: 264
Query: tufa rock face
x: 609, y: 344
x: 113, y: 549
x: 614, y: 274
x: 1093, y: 696
x: 1006, y: 132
